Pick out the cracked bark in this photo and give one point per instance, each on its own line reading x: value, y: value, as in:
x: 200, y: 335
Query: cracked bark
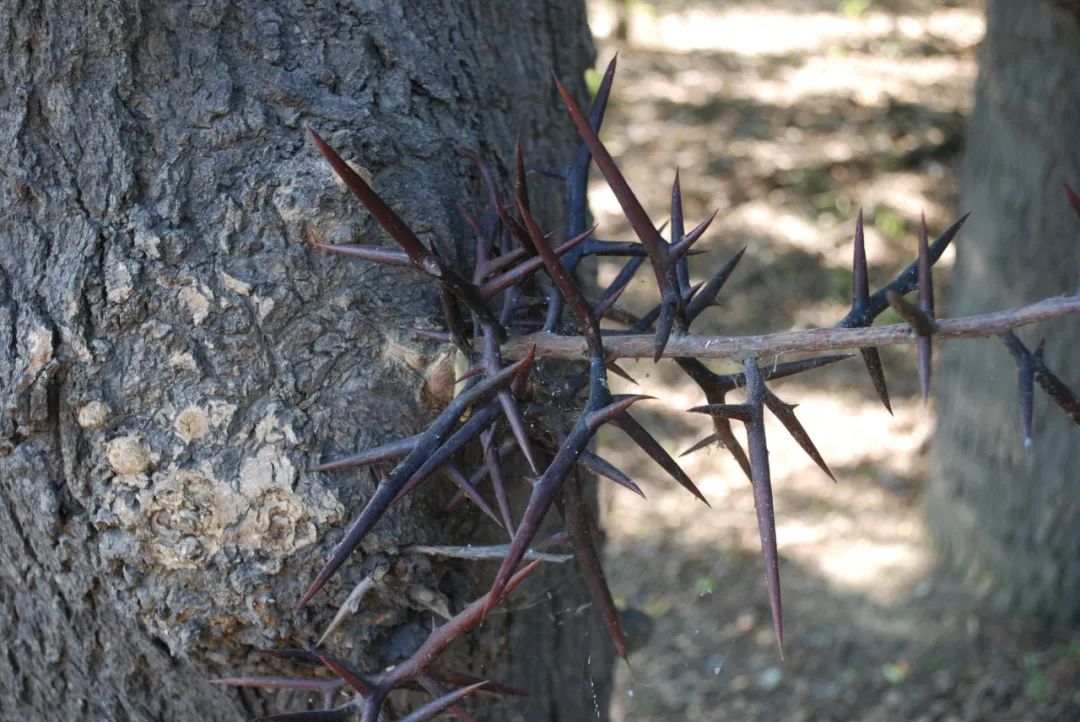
x: 173, y: 355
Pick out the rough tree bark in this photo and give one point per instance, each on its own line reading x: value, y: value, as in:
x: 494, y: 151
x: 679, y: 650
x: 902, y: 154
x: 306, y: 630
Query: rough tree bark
x: 1013, y: 520
x: 173, y: 354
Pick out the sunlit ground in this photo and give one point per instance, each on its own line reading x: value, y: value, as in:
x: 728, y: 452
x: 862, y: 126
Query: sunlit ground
x: 788, y: 116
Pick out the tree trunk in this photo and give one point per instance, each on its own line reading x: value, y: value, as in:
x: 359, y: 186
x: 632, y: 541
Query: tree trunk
x: 1010, y: 519
x: 174, y: 354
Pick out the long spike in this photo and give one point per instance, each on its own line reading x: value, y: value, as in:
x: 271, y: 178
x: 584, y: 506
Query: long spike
x: 707, y: 295
x: 380, y: 211
x: 872, y: 359
x: 630, y: 426
x: 579, y: 526
x: 392, y: 450
x: 437, y: 706
x: 1025, y: 380
x: 763, y: 496
x: 786, y: 414
x: 924, y: 346
x: 602, y: 467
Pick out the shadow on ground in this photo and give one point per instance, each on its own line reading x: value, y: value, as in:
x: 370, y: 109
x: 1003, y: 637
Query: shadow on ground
x: 788, y: 116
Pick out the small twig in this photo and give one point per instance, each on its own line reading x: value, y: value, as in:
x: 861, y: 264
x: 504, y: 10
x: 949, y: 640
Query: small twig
x: 810, y: 340
x: 488, y: 552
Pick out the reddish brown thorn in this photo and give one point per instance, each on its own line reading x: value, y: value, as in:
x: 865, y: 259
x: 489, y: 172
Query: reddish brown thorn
x: 376, y: 254
x: 386, y: 217
x: 437, y: 706
x: 347, y: 672
x: 526, y: 268
x: 1074, y: 200
x: 740, y: 412
x: 630, y: 426
x: 566, y: 285
x: 763, y: 496
x: 786, y: 414
x: 602, y: 467
x: 872, y: 360
x: 579, y: 526
x: 919, y: 321
x: 392, y: 450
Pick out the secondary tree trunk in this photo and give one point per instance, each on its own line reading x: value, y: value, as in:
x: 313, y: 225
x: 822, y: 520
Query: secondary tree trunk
x: 1010, y: 519
x: 174, y: 354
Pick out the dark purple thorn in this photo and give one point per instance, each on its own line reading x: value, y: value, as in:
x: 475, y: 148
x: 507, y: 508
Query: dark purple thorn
x: 786, y: 414
x: 1025, y: 379
x: 926, y: 276
x: 682, y: 268
x: 352, y: 676
x: 457, y: 678
x: 1074, y: 200
x: 376, y: 254
x: 344, y: 712
x: 926, y: 303
x: 739, y: 412
x: 437, y: 690
x: 602, y: 467
x: 860, y: 275
x: 708, y: 293
x: 387, y: 491
x: 761, y: 480
x: 872, y: 360
x: 711, y: 438
x: 392, y: 450
x: 615, y: 290
x: 619, y: 404
x: 470, y: 220
x: 470, y: 491
x: 472, y: 428
x: 492, y: 463
x: 680, y: 249
x: 629, y: 426
x: 437, y: 706
x: 517, y: 427
x: 923, y: 326
x: 579, y: 526
x: 303, y: 684
x: 386, y: 217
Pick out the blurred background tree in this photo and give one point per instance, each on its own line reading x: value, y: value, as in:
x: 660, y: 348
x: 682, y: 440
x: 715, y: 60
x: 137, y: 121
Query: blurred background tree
x: 1009, y: 518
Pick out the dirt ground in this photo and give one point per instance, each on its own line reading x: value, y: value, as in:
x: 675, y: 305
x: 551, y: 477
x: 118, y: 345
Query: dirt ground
x: 788, y: 116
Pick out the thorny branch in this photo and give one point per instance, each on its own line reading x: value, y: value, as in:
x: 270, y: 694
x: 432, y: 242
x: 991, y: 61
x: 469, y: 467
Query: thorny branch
x: 551, y: 419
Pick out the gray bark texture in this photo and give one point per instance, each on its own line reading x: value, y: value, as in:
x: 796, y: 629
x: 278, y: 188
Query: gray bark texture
x: 1009, y: 519
x: 174, y: 354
